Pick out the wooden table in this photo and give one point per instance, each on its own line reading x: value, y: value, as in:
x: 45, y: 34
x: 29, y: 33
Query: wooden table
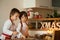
x: 25, y: 39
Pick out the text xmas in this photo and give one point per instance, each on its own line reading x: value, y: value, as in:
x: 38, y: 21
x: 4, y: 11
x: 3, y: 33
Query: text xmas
x: 49, y: 24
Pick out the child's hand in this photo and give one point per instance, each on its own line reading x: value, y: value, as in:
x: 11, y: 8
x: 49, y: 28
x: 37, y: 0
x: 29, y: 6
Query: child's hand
x: 15, y: 33
x: 23, y: 36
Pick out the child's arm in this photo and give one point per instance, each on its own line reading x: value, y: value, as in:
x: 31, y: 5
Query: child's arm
x: 27, y: 31
x: 6, y: 28
x: 18, y: 30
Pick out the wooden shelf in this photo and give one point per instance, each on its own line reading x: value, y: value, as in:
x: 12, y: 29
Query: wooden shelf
x: 41, y: 8
x: 45, y: 19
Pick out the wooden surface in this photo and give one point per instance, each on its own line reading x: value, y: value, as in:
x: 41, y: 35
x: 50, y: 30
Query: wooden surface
x: 25, y: 39
x: 45, y: 19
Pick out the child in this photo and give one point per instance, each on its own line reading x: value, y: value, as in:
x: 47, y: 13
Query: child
x: 9, y: 27
x: 22, y: 26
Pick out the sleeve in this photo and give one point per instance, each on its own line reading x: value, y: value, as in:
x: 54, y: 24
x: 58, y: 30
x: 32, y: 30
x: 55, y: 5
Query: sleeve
x: 18, y: 30
x: 6, y: 28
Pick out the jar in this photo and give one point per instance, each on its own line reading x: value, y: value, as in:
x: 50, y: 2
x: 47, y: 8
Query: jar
x: 36, y: 15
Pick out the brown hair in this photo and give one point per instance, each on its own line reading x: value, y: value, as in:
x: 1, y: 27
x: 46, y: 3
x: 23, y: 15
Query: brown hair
x: 13, y: 11
x: 23, y: 13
